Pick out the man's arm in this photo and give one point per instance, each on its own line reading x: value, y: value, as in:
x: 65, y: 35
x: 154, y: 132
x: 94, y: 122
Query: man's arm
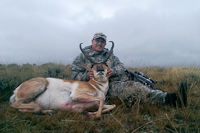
x: 78, y: 72
x: 117, y: 67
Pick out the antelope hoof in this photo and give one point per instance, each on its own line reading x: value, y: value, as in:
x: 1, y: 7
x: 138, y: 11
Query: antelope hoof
x: 98, y: 116
x: 90, y: 115
x: 50, y: 112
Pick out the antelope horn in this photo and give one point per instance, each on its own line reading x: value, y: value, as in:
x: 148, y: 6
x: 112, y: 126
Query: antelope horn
x: 110, y: 52
x: 86, y: 55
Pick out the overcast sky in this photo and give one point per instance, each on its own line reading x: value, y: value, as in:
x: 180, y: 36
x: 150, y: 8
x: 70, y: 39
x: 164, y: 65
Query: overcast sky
x: 145, y: 32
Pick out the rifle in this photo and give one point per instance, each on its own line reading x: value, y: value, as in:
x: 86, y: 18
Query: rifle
x: 140, y: 77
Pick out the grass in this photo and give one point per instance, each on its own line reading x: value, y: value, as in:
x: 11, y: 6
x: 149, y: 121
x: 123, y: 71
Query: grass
x: 140, y: 117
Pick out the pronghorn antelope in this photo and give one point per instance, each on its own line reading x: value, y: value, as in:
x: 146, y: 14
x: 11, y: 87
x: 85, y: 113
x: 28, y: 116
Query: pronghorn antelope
x: 43, y: 94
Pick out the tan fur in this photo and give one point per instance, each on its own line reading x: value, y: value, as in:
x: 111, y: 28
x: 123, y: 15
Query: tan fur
x: 95, y: 84
x: 30, y: 85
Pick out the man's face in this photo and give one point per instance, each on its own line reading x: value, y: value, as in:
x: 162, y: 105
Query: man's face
x: 98, y: 44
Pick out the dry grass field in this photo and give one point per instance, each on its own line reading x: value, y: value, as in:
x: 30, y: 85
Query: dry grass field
x: 135, y: 119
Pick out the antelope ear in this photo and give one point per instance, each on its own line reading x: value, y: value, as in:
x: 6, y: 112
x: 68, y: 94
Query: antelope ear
x: 86, y: 66
x: 109, y: 63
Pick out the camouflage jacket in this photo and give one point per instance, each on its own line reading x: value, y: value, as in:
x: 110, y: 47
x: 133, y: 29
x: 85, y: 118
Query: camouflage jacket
x: 78, y: 72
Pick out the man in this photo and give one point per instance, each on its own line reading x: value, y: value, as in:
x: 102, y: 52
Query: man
x: 119, y: 83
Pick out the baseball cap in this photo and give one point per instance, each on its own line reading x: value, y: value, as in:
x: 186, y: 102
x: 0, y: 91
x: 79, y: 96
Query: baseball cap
x: 100, y: 35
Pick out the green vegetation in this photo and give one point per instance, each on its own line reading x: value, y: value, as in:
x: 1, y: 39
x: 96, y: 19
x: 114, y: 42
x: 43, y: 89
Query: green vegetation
x: 138, y: 118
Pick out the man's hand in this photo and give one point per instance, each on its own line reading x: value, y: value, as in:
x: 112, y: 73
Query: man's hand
x: 91, y: 74
x: 110, y: 72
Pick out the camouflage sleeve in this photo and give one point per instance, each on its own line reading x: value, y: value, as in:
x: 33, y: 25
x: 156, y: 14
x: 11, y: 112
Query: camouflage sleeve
x: 78, y: 72
x: 118, y: 67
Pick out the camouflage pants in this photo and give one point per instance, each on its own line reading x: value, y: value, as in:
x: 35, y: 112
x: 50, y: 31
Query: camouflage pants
x: 125, y: 90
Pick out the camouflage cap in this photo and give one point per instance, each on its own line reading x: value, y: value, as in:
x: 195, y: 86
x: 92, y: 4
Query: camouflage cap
x: 100, y: 35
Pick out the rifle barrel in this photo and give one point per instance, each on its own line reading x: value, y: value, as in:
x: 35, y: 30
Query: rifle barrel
x: 153, y: 81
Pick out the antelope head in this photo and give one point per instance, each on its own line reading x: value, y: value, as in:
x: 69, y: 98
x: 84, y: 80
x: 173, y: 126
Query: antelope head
x: 99, y: 68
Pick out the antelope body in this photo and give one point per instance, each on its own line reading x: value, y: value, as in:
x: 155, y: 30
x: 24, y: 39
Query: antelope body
x: 45, y: 94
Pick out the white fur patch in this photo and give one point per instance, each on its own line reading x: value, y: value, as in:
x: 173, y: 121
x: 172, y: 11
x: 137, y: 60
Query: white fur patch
x: 14, y: 97
x: 57, y: 93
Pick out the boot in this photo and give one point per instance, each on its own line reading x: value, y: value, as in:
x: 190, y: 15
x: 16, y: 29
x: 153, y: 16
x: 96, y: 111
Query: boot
x: 178, y: 98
